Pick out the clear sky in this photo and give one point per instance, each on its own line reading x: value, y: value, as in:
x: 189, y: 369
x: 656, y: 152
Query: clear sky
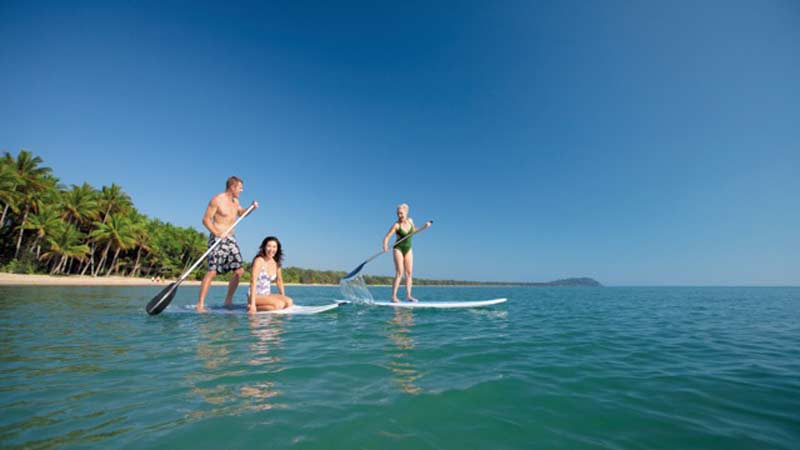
x: 637, y: 143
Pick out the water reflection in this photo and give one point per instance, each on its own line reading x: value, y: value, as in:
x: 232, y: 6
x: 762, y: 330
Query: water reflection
x: 405, y: 374
x: 214, y: 354
x: 237, y: 363
x: 267, y: 331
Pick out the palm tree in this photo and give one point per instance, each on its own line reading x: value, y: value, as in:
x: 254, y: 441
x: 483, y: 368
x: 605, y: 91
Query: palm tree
x: 66, y: 243
x: 197, y: 244
x: 111, y: 200
x: 80, y: 204
x: 124, y: 239
x: 8, y: 186
x: 141, y: 238
x: 188, y: 242
x: 40, y: 191
x: 155, y: 256
x: 46, y: 223
x: 81, y: 208
x: 31, y: 179
x: 117, y: 231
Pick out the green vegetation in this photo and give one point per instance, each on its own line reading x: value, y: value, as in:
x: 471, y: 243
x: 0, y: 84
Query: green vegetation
x: 48, y: 228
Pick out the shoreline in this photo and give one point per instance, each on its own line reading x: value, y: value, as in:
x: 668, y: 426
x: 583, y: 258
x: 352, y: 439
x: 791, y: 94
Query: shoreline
x: 15, y: 279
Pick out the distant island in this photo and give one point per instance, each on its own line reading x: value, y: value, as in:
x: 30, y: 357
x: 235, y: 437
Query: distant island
x: 584, y: 281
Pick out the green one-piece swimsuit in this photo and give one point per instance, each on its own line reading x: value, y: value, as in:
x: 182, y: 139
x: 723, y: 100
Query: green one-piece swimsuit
x: 404, y: 246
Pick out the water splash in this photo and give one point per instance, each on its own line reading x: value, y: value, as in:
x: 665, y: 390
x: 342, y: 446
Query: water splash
x: 355, y: 290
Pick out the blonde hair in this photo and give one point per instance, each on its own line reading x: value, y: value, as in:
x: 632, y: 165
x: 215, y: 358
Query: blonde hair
x: 403, y: 206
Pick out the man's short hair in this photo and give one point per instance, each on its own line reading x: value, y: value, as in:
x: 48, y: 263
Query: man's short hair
x: 232, y: 182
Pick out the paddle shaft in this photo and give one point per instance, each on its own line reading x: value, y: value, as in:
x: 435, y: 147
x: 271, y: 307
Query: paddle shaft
x: 395, y: 243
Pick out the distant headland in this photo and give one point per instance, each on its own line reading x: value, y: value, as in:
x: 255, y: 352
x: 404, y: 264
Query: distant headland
x: 583, y: 281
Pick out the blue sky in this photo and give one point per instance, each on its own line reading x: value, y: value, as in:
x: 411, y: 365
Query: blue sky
x: 637, y: 143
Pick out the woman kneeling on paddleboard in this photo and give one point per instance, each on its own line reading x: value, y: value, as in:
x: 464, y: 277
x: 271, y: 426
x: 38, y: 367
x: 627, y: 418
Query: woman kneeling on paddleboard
x: 266, y: 270
x: 403, y: 255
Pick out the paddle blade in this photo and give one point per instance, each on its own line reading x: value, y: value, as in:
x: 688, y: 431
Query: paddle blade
x: 162, y: 299
x: 354, y: 272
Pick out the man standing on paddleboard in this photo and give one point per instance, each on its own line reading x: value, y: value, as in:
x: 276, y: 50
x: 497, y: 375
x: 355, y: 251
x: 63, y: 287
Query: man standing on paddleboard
x: 222, y: 212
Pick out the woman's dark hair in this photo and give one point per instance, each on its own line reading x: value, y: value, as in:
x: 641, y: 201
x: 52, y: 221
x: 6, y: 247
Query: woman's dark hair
x: 262, y: 250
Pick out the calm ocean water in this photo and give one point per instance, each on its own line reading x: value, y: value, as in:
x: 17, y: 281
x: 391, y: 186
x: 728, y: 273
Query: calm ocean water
x: 571, y: 368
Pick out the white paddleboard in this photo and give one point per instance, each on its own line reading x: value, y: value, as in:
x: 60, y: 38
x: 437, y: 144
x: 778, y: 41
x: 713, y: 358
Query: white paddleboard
x: 242, y: 309
x: 442, y: 305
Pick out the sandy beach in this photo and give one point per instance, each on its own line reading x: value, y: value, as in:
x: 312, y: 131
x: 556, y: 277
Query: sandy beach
x: 15, y: 279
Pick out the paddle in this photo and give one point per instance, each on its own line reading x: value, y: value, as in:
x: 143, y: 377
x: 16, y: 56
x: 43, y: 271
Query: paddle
x: 163, y: 298
x: 361, y: 266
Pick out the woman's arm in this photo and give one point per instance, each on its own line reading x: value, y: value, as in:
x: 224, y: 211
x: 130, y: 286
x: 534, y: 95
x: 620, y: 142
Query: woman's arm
x: 388, y: 235
x: 251, y: 299
x: 280, y: 282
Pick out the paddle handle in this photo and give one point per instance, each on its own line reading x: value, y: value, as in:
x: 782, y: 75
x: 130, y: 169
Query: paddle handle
x: 216, y: 243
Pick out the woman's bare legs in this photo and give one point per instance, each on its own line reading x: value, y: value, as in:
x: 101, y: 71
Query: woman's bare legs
x: 272, y: 302
x: 408, y: 261
x: 398, y: 267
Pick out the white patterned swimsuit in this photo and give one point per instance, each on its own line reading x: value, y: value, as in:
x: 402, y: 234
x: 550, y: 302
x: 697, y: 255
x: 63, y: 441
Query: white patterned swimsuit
x: 264, y: 283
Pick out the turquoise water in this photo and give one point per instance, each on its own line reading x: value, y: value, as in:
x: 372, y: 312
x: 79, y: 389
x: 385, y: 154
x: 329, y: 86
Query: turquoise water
x: 570, y: 368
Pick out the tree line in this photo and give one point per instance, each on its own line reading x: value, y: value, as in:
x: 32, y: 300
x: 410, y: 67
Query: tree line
x: 46, y: 227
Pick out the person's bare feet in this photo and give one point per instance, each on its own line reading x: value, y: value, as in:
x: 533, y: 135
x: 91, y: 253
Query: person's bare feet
x: 201, y: 308
x: 412, y: 299
x: 395, y: 300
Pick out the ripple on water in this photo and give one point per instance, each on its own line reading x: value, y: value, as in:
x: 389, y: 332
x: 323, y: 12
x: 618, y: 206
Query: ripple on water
x: 552, y: 368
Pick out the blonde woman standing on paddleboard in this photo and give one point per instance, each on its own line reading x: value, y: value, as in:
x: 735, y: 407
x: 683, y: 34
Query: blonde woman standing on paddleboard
x: 403, y: 255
